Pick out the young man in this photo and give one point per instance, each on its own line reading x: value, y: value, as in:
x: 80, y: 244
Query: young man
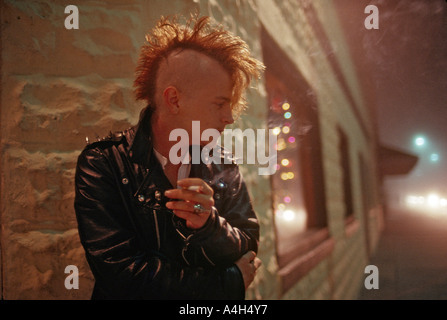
x: 153, y: 228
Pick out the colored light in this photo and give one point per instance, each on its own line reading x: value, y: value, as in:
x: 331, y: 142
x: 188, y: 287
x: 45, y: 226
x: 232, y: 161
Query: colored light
x: 288, y: 215
x: 281, y: 145
x: 291, y: 139
x: 287, y: 115
x: 285, y: 162
x: 285, y: 106
x: 276, y: 131
x: 286, y: 129
x: 287, y: 199
x: 287, y: 176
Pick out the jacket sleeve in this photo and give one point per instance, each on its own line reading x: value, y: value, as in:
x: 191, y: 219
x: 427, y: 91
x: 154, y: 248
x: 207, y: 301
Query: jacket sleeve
x: 233, y: 228
x: 122, y: 269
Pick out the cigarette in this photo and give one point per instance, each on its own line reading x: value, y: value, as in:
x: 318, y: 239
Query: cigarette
x: 193, y: 188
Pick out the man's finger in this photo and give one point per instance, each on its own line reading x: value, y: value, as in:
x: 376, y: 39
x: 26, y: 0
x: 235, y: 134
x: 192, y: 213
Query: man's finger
x: 193, y: 196
x: 250, y: 255
x: 257, y: 263
x: 185, y: 206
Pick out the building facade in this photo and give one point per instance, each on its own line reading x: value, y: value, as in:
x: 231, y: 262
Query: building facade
x: 320, y: 213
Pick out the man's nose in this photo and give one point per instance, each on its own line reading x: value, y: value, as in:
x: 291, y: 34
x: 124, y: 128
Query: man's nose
x: 227, y: 116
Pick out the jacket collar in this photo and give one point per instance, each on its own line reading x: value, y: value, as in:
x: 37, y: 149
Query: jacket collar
x: 139, y: 138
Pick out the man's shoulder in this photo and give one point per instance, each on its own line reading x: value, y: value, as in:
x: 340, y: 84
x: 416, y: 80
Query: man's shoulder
x: 112, y: 139
x: 106, y: 143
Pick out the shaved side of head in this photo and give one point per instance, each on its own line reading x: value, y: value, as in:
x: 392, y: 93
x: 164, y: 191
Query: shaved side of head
x: 187, y: 71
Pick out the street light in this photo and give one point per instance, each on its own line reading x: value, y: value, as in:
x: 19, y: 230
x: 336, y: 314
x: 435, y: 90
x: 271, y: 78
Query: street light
x: 434, y: 157
x: 419, y: 141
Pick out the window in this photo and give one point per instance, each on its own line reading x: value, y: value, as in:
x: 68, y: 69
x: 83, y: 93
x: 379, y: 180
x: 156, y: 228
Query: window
x: 299, y: 201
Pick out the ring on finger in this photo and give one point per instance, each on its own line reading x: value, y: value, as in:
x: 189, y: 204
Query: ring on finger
x: 198, y: 208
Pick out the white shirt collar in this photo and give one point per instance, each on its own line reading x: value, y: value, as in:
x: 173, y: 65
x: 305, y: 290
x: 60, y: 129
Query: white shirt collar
x: 161, y: 158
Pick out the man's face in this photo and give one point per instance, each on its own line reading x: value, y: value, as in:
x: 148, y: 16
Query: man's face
x: 208, y: 101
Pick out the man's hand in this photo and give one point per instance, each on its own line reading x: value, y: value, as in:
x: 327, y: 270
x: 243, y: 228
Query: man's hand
x: 248, y: 264
x: 194, y: 191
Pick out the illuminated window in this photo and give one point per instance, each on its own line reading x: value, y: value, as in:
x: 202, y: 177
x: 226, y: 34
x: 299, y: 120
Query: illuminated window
x: 298, y: 192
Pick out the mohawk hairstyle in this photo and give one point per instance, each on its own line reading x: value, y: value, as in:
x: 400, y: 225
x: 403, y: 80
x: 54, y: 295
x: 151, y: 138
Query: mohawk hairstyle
x: 197, y: 34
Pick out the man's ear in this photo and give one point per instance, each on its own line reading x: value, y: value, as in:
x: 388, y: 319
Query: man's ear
x: 171, y: 99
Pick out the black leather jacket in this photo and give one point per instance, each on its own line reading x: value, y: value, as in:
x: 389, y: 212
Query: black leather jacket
x: 136, y: 247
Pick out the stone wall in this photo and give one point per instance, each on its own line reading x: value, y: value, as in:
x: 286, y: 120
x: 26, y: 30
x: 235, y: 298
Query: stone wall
x: 60, y: 86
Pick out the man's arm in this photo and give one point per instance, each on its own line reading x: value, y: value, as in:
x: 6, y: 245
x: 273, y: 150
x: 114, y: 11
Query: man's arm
x: 121, y: 267
x: 233, y: 229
